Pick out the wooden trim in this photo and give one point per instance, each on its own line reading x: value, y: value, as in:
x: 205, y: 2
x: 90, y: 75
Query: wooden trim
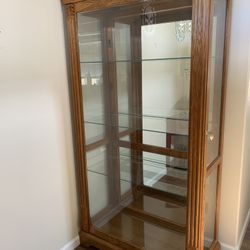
x: 95, y: 5
x: 162, y: 151
x: 70, y: 1
x: 111, y: 89
x: 174, y: 181
x: 105, y: 141
x: 215, y: 245
x: 136, y: 103
x: 218, y: 198
x: 201, y: 37
x: 110, y: 3
x: 177, y: 14
x: 97, y: 144
x: 77, y: 112
x: 154, y: 219
x: 162, y: 195
x: 213, y: 165
x: 125, y: 133
x: 113, y: 240
x: 101, y: 3
x: 154, y: 149
x: 88, y: 240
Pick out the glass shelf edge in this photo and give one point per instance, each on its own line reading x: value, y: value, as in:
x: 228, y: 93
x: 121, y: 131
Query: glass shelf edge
x: 137, y: 61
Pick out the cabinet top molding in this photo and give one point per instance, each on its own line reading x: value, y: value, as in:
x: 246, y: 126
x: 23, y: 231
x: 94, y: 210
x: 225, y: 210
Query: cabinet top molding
x: 69, y: 1
x: 100, y: 2
x: 94, y: 5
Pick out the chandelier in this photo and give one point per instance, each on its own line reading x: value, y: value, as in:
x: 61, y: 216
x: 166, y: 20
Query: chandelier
x: 148, y: 13
x: 183, y: 29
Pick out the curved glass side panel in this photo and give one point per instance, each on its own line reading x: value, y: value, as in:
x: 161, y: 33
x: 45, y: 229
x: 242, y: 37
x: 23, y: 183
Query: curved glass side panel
x: 216, y: 73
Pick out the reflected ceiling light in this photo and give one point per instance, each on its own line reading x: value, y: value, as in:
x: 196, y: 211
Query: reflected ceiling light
x: 182, y: 29
x: 148, y: 13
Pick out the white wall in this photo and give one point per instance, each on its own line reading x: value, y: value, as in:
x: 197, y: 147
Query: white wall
x: 38, y: 207
x: 245, y: 174
x: 236, y: 170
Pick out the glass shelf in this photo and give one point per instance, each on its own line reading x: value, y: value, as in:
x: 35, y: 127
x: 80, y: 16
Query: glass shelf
x: 89, y: 43
x: 142, y: 60
x: 93, y: 62
x: 153, y: 165
x: 178, y: 115
x: 156, y: 165
x: 124, y: 128
x: 157, y: 130
x: 164, y: 177
x: 152, y: 176
x: 158, y: 161
x: 106, y: 175
x: 170, y: 163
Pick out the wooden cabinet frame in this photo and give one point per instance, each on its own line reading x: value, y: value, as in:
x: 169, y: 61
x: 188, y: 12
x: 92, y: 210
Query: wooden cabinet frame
x: 199, y: 91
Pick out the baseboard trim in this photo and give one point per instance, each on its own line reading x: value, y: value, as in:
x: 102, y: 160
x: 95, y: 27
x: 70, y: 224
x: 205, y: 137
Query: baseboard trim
x: 243, y: 231
x: 73, y: 244
x: 227, y: 247
x: 241, y: 238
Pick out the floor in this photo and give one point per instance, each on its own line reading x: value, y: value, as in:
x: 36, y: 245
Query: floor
x: 246, y: 241
x: 245, y: 244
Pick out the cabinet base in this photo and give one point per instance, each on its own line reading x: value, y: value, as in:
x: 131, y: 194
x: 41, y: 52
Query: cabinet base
x: 89, y: 240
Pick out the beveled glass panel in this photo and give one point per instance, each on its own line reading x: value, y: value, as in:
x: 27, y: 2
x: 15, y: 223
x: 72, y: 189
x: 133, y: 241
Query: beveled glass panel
x: 215, y: 77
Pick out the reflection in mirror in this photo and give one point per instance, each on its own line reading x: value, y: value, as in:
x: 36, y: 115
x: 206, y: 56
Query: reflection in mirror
x: 166, y: 49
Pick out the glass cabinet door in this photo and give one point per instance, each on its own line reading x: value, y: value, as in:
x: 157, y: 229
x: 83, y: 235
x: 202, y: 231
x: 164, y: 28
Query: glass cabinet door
x: 135, y: 76
x: 214, y: 119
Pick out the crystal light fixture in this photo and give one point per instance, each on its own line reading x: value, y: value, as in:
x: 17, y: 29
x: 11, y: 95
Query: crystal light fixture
x: 182, y: 29
x: 148, y: 11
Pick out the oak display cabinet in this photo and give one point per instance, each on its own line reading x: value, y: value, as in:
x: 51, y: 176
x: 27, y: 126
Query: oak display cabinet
x: 147, y: 88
